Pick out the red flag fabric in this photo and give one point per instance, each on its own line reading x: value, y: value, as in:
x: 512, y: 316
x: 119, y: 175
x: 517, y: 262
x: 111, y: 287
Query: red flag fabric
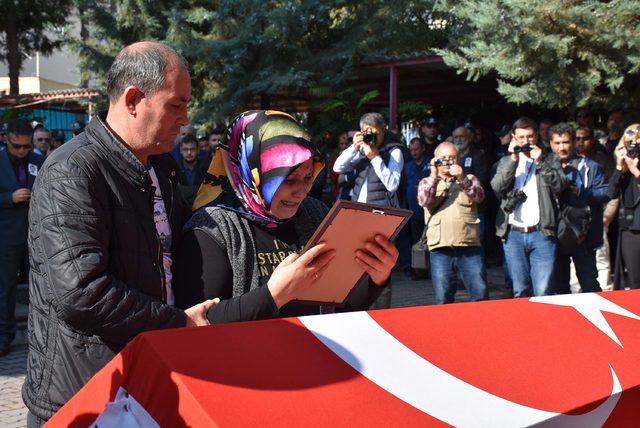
x: 561, y: 360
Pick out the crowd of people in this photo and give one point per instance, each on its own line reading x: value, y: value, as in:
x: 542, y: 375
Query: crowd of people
x: 137, y: 224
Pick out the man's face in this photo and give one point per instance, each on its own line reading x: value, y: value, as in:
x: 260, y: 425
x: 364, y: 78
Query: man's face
x: 615, y: 123
x: 563, y: 146
x: 417, y: 151
x: 430, y: 131
x: 343, y: 141
x: 186, y: 130
x: 214, y: 141
x: 19, y: 146
x: 544, y: 132
x: 584, y: 117
x: 162, y: 115
x: 41, y: 140
x: 524, y: 136
x: 584, y: 141
x: 367, y: 129
x: 203, y: 145
x: 446, y: 152
x: 505, y: 139
x: 189, y: 152
x: 461, y: 138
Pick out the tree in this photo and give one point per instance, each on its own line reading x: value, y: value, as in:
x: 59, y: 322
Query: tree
x: 551, y: 53
x: 27, y: 27
x: 248, y: 52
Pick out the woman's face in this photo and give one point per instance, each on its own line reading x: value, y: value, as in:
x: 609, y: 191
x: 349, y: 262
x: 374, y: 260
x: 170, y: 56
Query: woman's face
x: 292, y: 191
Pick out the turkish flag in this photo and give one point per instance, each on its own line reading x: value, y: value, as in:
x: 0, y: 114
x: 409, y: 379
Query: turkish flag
x: 561, y: 360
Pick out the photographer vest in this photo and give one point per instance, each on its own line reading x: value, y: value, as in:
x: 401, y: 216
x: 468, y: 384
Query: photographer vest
x: 377, y: 193
x: 455, y: 221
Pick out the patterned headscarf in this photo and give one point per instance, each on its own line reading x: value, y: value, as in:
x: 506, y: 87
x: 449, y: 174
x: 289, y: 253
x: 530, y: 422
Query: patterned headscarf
x: 259, y: 151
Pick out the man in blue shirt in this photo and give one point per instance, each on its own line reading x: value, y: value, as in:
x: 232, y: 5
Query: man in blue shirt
x: 586, y: 180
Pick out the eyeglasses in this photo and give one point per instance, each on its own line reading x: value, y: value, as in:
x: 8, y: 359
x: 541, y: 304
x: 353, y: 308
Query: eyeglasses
x: 46, y: 140
x: 20, y: 146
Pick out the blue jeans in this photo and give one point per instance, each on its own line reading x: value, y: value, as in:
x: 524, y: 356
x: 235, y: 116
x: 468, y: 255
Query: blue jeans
x: 468, y: 263
x: 530, y: 259
x: 584, y: 260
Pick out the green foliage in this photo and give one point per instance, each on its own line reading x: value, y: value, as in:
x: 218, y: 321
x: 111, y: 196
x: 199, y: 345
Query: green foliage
x: 246, y: 53
x: 27, y: 27
x: 551, y: 53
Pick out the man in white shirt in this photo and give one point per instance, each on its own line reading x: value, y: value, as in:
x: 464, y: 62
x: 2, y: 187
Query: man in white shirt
x: 527, y: 182
x: 376, y: 157
x: 377, y: 160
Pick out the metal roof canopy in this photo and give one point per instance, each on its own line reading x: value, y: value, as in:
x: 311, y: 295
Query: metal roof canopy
x: 422, y: 78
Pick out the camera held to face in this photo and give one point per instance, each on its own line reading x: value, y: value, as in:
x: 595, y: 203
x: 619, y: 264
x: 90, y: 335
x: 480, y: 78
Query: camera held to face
x: 443, y: 162
x: 515, y: 198
x: 369, y: 138
x: 522, y: 149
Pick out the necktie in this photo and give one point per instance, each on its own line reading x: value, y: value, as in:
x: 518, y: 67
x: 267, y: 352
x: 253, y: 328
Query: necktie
x: 22, y: 175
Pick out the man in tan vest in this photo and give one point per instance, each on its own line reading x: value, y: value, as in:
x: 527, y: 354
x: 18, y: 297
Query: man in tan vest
x: 450, y: 200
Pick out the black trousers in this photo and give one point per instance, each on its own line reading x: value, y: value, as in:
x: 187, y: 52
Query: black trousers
x: 11, y: 259
x: 630, y: 258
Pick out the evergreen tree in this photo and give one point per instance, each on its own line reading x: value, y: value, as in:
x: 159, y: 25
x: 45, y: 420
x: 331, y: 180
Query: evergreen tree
x: 27, y: 27
x: 551, y: 53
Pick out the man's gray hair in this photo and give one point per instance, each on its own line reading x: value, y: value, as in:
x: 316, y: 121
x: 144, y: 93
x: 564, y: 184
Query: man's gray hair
x: 144, y: 66
x: 373, y: 119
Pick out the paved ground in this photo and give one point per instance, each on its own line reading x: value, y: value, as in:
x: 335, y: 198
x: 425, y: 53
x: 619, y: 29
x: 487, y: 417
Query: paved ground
x: 13, y: 366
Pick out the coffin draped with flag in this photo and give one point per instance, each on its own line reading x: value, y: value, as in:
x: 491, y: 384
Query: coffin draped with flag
x: 561, y: 361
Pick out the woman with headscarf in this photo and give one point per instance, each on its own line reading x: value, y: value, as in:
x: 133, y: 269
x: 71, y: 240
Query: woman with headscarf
x: 625, y: 185
x: 252, y: 215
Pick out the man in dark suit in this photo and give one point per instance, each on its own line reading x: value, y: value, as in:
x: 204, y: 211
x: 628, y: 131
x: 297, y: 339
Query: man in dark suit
x: 18, y: 170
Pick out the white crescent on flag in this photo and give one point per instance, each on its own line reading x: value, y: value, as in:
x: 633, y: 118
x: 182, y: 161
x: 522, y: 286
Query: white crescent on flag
x: 371, y: 350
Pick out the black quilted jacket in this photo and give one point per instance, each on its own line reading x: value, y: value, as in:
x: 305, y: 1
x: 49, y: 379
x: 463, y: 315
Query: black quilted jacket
x: 96, y: 276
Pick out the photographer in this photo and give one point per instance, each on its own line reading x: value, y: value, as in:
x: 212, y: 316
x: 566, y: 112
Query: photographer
x: 527, y: 182
x: 587, y: 189
x: 377, y: 160
x: 625, y: 185
x: 450, y: 199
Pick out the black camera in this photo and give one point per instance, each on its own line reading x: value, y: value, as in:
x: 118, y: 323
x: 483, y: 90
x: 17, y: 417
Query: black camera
x: 633, y: 150
x: 522, y: 149
x: 514, y: 198
x: 441, y: 162
x: 369, y: 138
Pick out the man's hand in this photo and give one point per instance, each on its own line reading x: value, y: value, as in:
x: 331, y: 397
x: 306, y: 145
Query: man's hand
x: 632, y: 165
x: 536, y: 154
x: 378, y: 258
x: 197, y: 315
x: 21, y: 195
x: 434, y: 168
x: 621, y: 156
x: 298, y: 273
x: 511, y: 148
x: 369, y: 151
x: 456, y: 171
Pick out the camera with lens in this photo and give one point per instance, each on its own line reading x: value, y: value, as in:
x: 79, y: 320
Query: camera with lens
x: 633, y: 150
x: 443, y: 162
x: 522, y: 149
x: 514, y: 198
x: 369, y: 138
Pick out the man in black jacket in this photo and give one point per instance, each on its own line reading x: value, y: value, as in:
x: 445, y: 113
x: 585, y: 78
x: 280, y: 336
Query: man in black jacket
x: 104, y: 220
x: 19, y: 167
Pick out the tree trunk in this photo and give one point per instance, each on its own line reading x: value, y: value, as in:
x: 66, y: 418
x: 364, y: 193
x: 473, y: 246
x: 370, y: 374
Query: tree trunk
x: 13, y: 57
x: 84, y: 35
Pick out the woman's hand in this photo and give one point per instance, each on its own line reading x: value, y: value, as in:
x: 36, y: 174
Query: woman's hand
x: 297, y: 273
x: 378, y: 259
x: 621, y: 155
